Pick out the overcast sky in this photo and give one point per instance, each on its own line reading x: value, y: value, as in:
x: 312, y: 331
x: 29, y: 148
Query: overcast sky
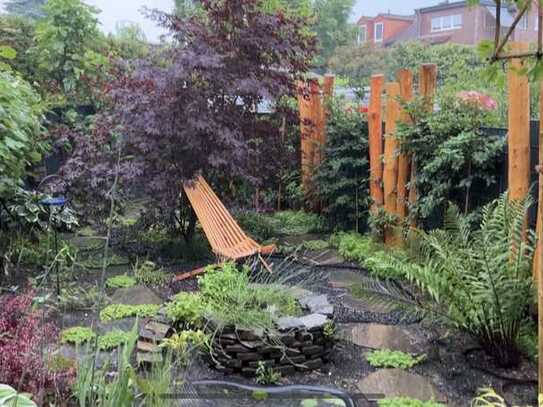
x: 130, y: 10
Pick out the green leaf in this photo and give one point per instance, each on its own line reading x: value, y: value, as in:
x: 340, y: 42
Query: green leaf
x: 7, y: 52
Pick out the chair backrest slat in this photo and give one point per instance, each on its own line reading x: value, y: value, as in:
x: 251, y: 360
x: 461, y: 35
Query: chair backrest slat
x: 225, y: 236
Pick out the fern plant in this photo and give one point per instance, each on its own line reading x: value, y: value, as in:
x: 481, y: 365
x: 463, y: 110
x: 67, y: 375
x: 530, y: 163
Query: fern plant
x: 478, y: 281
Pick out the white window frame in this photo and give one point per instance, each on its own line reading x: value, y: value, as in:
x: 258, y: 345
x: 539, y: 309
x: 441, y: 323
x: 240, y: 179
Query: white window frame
x: 523, y: 23
x: 382, y: 32
x: 363, y: 30
x: 437, y: 24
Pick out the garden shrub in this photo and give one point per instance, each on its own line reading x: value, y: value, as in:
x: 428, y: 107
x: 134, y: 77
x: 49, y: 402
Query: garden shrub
x: 25, y: 333
x: 121, y: 281
x: 393, y: 359
x: 148, y: 273
x: 478, y: 281
x: 187, y: 308
x: 298, y: 223
x: 260, y: 227
x: 120, y: 311
x: 342, y: 178
x: 21, y: 141
x: 77, y: 335
x: 454, y: 157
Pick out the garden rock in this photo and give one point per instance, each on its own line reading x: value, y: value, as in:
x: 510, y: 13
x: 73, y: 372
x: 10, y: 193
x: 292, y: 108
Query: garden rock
x: 125, y: 324
x: 312, y: 321
x: 397, y: 382
x: 78, y: 355
x: 137, y: 295
x: 376, y: 336
x: 287, y: 323
x: 315, y: 303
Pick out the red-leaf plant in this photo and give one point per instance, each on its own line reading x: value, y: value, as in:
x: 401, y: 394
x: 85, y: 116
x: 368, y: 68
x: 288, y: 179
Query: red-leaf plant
x: 24, y: 335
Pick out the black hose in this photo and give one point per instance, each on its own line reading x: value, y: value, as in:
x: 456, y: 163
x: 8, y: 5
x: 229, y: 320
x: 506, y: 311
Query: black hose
x: 279, y: 390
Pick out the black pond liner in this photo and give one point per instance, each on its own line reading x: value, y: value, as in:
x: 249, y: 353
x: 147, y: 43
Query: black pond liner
x: 225, y: 393
x: 294, y: 265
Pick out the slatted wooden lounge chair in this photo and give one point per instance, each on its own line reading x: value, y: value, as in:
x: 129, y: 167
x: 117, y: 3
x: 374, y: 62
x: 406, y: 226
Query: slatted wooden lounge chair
x: 228, y: 241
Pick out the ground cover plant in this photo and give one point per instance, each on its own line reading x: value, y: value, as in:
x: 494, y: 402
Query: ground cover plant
x: 121, y: 281
x: 120, y: 311
x: 148, y: 273
x: 391, y: 358
x: 77, y: 335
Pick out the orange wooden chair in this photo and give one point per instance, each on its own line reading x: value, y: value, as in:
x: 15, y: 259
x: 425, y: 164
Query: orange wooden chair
x: 228, y: 241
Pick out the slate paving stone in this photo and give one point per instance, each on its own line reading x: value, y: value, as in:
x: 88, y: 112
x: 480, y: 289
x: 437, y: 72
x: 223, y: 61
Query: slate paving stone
x: 377, y: 336
x: 137, y: 295
x: 399, y: 383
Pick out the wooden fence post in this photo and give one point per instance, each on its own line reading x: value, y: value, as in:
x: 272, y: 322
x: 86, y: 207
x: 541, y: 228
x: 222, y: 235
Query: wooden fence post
x: 405, y: 78
x: 390, y: 171
x: 519, y: 128
x: 375, y: 141
x: 427, y: 85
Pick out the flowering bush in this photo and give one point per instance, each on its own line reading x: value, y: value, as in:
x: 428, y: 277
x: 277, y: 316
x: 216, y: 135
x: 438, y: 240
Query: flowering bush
x: 24, y: 336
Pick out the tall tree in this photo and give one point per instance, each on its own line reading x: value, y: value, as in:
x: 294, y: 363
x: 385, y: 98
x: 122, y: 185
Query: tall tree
x: 194, y: 110
x: 332, y: 26
x: 26, y: 8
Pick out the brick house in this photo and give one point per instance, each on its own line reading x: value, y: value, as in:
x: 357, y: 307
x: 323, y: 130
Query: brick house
x: 459, y: 23
x: 381, y: 28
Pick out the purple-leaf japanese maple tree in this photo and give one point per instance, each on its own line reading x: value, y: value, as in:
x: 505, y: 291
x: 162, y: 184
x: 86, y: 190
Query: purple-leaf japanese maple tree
x: 191, y: 108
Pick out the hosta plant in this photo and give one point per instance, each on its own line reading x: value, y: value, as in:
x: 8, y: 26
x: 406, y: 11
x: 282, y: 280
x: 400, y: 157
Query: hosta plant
x: 479, y: 281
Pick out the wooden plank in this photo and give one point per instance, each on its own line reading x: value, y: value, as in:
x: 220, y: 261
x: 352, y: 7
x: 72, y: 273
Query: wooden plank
x: 390, y: 169
x: 150, y: 347
x: 158, y: 327
x: 519, y: 127
x: 405, y: 79
x: 306, y: 102
x: 375, y: 140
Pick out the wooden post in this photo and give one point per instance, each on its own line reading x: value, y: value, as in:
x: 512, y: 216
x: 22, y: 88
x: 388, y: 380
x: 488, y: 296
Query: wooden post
x: 519, y: 128
x: 405, y: 78
x: 328, y: 85
x: 307, y: 130
x: 539, y: 247
x: 375, y: 141
x: 390, y: 171
x: 427, y: 84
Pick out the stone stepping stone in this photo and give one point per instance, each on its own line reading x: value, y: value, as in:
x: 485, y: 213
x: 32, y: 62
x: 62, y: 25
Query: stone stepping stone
x: 345, y: 278
x: 376, y: 336
x: 137, y: 295
x: 398, y: 383
x: 317, y: 304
